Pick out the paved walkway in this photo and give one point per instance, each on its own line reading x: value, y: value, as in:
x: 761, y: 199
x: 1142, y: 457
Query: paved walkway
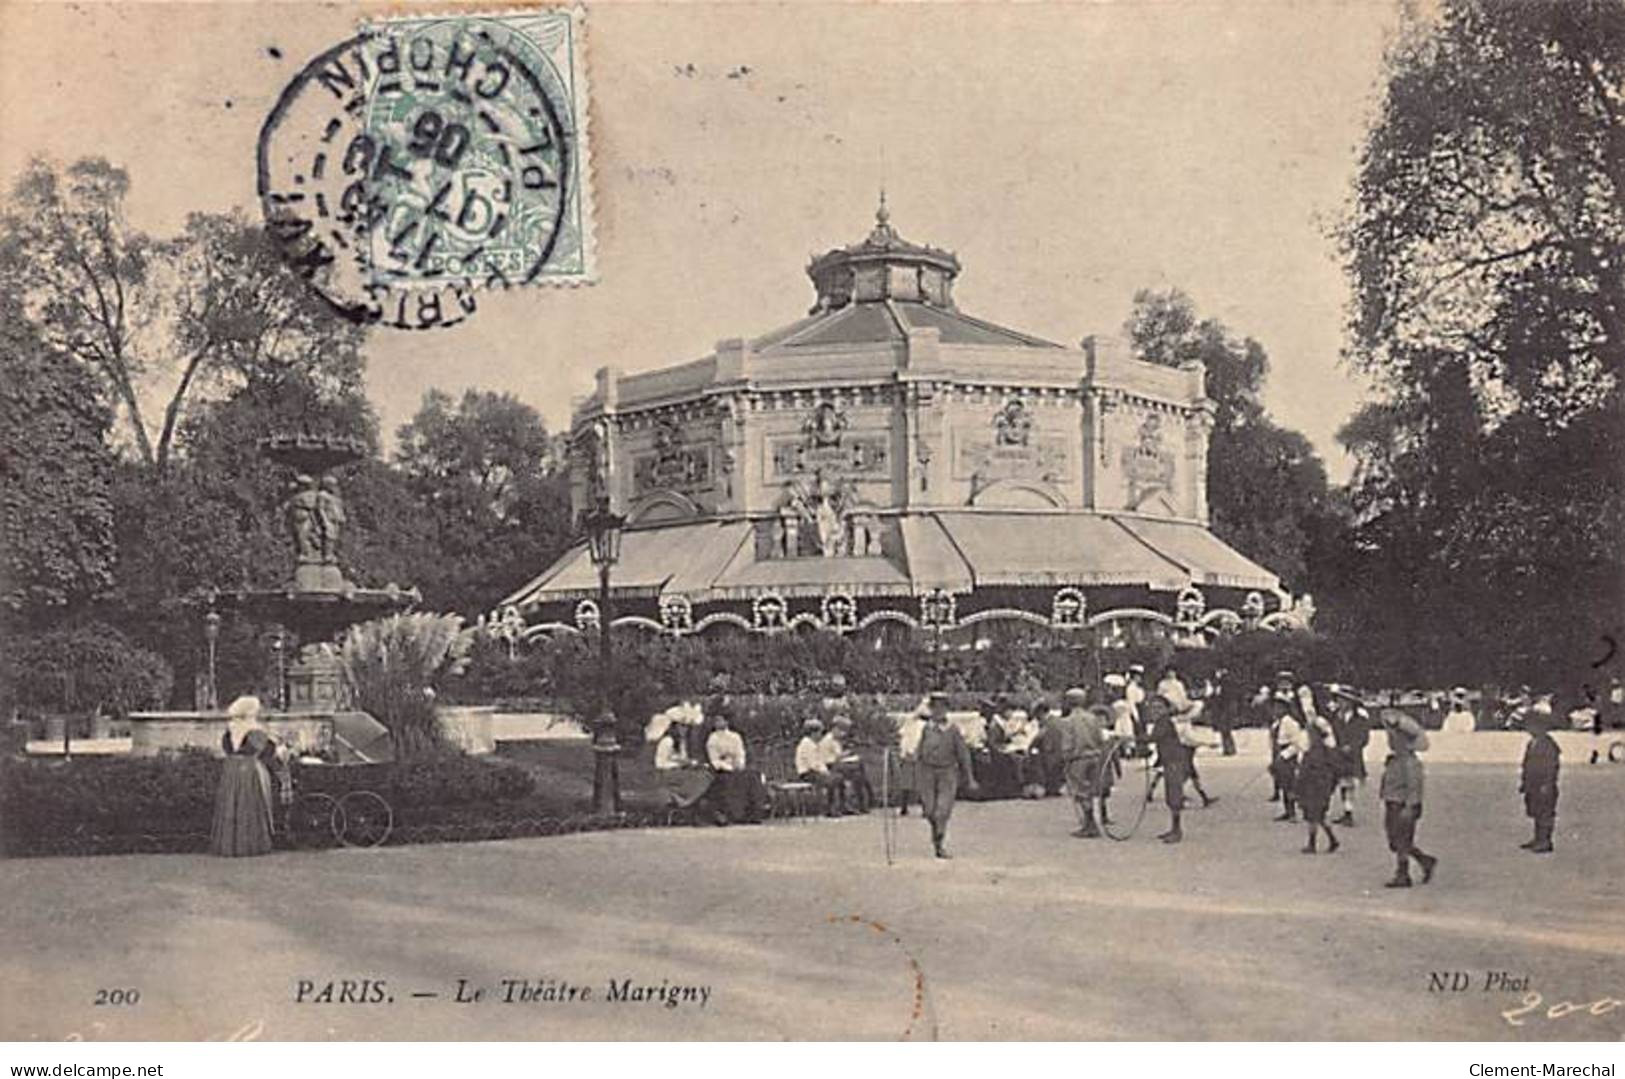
x: 801, y: 930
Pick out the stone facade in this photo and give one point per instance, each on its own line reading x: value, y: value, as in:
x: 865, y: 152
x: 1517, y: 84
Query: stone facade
x: 886, y: 405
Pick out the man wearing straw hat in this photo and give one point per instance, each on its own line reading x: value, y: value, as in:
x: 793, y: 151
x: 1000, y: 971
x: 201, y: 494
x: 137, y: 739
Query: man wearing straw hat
x: 942, y: 763
x: 1538, y: 777
x: 1401, y: 794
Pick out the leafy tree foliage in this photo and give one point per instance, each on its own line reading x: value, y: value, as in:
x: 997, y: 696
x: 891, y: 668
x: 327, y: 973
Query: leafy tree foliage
x: 494, y: 486
x: 1267, y: 489
x: 162, y: 323
x: 1489, y: 223
x: 1485, y: 243
x: 56, y: 516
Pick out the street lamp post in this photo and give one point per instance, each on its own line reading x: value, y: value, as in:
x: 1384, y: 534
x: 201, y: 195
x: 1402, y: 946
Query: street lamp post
x: 211, y: 634
x: 603, y: 529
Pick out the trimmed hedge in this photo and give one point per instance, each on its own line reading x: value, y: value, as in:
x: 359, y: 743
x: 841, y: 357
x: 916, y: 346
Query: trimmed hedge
x: 653, y: 672
x: 120, y: 804
x: 447, y: 780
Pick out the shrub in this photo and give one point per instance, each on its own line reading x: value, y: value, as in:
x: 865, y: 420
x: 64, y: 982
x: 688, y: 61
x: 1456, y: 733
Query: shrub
x: 442, y: 779
x: 50, y: 805
x: 83, y: 669
x: 113, y: 804
x: 391, y: 665
x: 651, y: 672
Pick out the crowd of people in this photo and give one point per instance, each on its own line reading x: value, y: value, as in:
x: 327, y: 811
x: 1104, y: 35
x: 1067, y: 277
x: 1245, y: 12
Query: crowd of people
x: 1077, y: 747
x: 1317, y: 737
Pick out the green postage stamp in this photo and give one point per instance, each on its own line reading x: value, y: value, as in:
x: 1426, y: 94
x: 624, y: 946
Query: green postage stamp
x: 432, y: 157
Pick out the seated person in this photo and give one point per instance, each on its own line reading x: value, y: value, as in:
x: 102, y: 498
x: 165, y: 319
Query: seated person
x: 1022, y: 749
x: 1009, y: 742
x: 741, y: 796
x: 683, y: 779
x: 811, y: 767
x: 847, y: 766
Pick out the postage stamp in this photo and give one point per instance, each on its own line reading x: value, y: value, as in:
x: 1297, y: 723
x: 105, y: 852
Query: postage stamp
x: 431, y: 157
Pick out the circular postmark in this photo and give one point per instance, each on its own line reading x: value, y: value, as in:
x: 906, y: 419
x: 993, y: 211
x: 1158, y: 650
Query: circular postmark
x: 422, y: 160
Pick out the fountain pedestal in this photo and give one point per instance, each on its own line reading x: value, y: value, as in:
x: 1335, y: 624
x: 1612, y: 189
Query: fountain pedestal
x: 315, y: 681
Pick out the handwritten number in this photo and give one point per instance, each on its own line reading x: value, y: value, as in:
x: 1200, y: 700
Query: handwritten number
x: 1531, y: 1001
x: 1561, y: 1010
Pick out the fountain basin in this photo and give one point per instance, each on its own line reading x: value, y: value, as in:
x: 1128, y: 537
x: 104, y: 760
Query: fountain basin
x: 154, y: 733
x: 471, y: 729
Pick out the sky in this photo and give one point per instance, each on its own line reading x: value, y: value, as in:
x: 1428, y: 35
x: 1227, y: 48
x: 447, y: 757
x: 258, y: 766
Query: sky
x: 1069, y: 154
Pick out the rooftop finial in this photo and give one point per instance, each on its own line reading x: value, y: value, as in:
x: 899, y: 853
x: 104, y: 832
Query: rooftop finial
x: 882, y: 235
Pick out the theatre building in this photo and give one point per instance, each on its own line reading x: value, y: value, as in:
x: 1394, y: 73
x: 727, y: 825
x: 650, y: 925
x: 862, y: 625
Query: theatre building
x: 891, y: 459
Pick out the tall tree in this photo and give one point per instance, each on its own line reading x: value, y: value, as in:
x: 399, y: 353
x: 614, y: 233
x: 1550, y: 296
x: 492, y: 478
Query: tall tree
x: 56, y: 514
x: 1489, y: 218
x: 1267, y: 489
x: 163, y: 323
x: 494, y: 486
x: 1485, y: 242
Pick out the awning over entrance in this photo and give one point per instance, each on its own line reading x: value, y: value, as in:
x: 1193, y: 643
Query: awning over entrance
x: 933, y: 560
x: 792, y: 577
x: 1207, y: 558
x: 1057, y: 549
x: 955, y: 550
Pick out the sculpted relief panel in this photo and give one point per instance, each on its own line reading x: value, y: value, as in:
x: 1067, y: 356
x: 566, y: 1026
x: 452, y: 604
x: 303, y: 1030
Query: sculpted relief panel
x: 675, y: 463
x: 1011, y: 447
x: 1148, y: 465
x: 825, y: 445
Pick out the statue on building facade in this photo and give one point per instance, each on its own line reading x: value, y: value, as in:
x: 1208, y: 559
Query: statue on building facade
x: 827, y: 519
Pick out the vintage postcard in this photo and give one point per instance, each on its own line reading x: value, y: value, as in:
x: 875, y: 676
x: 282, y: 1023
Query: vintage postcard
x: 839, y: 521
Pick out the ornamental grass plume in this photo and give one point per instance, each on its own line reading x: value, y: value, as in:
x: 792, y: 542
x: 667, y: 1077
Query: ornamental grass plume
x: 391, y: 665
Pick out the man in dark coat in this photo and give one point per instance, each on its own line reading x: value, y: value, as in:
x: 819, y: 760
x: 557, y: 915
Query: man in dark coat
x: 1538, y: 783
x: 942, y: 763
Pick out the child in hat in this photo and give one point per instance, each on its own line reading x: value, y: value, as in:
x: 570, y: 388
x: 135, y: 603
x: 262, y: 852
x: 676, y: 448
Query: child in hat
x: 1351, y: 725
x: 1401, y: 793
x: 1287, y: 743
x: 1317, y: 776
x: 1538, y: 782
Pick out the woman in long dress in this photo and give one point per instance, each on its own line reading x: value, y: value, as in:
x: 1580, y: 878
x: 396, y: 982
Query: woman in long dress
x: 242, y: 807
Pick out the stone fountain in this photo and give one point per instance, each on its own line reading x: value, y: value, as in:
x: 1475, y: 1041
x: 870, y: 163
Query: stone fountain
x: 309, y: 702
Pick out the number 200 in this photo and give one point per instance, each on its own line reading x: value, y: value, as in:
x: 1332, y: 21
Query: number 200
x: 117, y: 996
